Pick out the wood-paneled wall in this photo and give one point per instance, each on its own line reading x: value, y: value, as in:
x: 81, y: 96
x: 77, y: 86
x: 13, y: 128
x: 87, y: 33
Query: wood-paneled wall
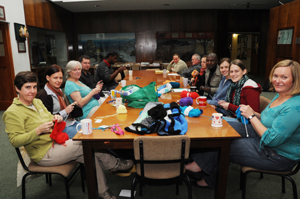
x: 283, y: 16
x: 145, y: 24
x: 44, y: 14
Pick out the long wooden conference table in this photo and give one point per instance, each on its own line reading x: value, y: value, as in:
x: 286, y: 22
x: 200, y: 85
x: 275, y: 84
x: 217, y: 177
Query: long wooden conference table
x: 202, y: 134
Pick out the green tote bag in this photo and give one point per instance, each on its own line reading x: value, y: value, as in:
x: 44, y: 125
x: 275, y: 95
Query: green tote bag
x: 141, y: 96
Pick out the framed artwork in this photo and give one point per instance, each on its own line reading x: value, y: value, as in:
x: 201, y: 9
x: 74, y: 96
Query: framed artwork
x: 285, y: 36
x: 21, y: 47
x: 2, y: 13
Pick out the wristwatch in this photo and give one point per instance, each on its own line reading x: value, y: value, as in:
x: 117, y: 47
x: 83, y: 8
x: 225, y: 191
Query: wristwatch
x: 252, y: 116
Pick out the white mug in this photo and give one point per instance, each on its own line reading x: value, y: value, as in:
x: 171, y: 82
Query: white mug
x: 86, y: 126
x: 186, y: 81
x: 165, y: 71
x: 217, y: 120
x: 130, y: 72
x: 123, y: 83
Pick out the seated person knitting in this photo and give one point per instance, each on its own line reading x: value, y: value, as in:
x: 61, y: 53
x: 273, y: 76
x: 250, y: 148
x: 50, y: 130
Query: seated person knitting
x: 223, y: 86
x: 106, y: 73
x: 52, y: 98
x: 274, y: 135
x: 28, y: 123
x: 78, y: 92
x: 242, y: 90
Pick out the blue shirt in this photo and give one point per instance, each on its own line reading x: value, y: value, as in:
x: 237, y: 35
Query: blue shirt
x: 70, y: 87
x: 221, y: 92
x: 283, y: 123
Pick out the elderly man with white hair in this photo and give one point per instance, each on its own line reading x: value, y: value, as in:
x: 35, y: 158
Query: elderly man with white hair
x: 196, y: 66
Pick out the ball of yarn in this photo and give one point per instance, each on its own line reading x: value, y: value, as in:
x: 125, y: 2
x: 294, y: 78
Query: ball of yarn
x: 193, y: 95
x: 175, y: 84
x: 187, y: 101
x: 195, y: 112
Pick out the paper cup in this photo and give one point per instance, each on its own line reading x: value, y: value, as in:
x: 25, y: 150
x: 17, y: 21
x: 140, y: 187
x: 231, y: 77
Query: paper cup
x: 186, y: 81
x: 130, y: 72
x: 86, y: 126
x: 217, y: 120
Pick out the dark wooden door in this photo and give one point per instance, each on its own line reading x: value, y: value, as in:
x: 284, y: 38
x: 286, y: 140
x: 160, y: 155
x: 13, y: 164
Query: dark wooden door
x: 7, y: 91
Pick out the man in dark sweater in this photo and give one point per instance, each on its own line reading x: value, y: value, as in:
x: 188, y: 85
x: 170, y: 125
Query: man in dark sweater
x: 105, y: 72
x: 86, y: 77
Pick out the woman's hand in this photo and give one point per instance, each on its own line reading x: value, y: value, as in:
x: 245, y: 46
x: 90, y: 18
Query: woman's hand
x: 70, y: 108
x: 213, y: 106
x: 246, y: 111
x: 44, y: 128
x: 192, y: 80
x: 223, y: 104
x: 57, y: 118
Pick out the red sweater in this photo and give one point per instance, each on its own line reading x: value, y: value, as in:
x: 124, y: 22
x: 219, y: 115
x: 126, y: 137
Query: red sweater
x: 249, y: 96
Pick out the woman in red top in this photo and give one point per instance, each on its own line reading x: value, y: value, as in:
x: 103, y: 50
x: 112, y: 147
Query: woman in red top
x: 242, y: 89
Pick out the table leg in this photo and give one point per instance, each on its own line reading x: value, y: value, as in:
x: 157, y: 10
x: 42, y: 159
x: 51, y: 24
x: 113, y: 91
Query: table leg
x: 221, y: 184
x: 90, y: 170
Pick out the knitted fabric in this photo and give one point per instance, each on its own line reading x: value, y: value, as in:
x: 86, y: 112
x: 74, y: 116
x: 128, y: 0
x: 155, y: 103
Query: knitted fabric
x: 57, y: 135
x: 239, y: 116
x: 237, y: 87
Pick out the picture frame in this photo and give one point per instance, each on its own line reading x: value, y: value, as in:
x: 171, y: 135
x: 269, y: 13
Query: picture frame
x: 285, y: 36
x: 21, y: 47
x: 2, y: 13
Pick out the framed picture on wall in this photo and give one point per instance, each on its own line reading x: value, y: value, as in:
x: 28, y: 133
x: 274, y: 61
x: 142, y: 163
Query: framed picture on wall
x: 21, y: 47
x: 285, y: 36
x: 2, y: 13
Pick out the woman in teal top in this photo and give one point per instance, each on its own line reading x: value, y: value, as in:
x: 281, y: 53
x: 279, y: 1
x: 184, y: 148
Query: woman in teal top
x: 274, y: 135
x: 78, y: 92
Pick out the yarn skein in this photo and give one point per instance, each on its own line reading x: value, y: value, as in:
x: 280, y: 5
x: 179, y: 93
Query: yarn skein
x: 187, y: 101
x: 193, y: 95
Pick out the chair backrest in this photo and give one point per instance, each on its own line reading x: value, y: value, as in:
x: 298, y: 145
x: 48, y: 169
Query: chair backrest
x: 263, y: 102
x: 21, y: 159
x: 159, y: 148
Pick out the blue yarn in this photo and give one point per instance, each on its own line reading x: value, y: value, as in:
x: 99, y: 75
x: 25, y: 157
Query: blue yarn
x: 195, y: 112
x: 158, y: 94
x: 239, y: 115
x: 175, y: 84
x: 182, y: 108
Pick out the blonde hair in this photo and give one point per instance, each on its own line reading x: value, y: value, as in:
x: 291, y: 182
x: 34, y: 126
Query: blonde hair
x: 295, y: 67
x: 71, y: 65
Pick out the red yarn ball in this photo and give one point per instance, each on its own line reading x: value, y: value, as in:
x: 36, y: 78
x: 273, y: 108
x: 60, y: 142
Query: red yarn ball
x: 193, y: 95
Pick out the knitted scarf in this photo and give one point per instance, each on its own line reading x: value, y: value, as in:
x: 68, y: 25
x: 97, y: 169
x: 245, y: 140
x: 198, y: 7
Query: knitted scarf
x: 59, y: 95
x: 237, y: 87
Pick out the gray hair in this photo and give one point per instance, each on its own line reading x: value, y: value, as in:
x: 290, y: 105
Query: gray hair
x: 71, y: 65
x: 197, y: 56
x: 213, y: 55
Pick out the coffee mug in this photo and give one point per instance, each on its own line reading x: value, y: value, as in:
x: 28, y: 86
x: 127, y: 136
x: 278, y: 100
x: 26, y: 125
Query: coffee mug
x: 123, y: 83
x: 186, y: 81
x: 217, y: 120
x: 86, y: 126
x: 165, y: 71
x: 130, y: 72
x: 201, y: 101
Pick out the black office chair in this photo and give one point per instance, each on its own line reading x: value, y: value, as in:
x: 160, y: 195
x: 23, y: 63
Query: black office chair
x: 161, y: 159
x: 64, y: 170
x: 284, y: 175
